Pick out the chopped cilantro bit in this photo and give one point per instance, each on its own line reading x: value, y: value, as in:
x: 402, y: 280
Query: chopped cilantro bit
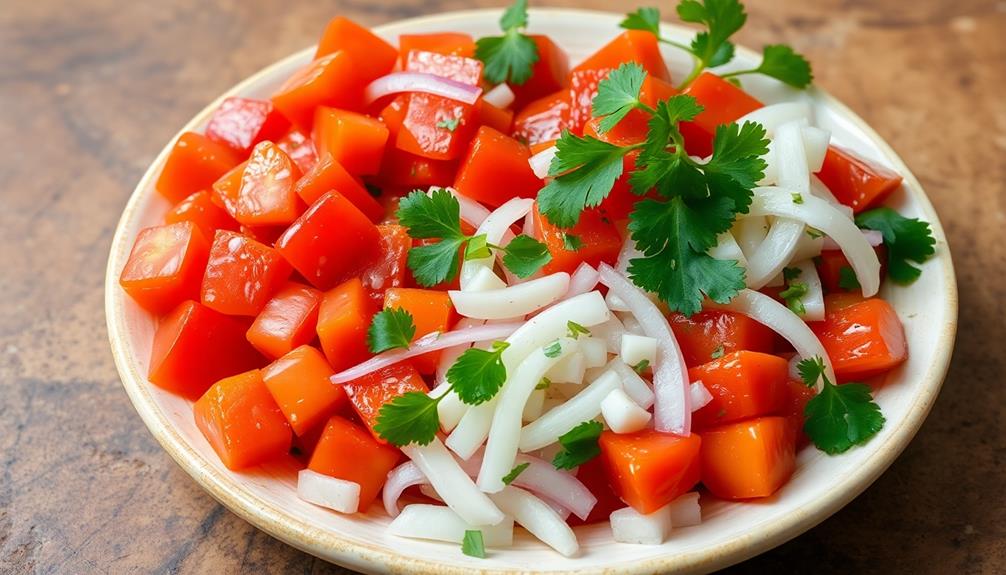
x: 847, y: 279
x: 797, y: 198
x: 575, y: 330
x: 473, y: 545
x: 579, y: 445
x: 571, y: 243
x: 642, y: 366
x: 543, y: 384
x: 517, y: 470
x: 449, y: 124
x: 793, y: 296
x: 553, y: 350
x: 718, y: 352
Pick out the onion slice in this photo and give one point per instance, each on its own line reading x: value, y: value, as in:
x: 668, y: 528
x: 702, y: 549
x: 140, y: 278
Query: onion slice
x: 513, y: 301
x: 539, y: 518
x: 453, y: 484
x: 399, y: 479
x: 541, y: 162
x: 439, y: 523
x: 873, y: 236
x: 496, y: 228
x: 583, y: 280
x: 398, y: 82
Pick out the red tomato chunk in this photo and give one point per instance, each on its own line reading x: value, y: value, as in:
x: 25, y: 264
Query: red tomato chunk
x: 347, y: 452
x: 299, y: 382
x: 166, y: 266
x: 242, y: 274
x: 863, y: 340
x: 195, y: 162
x: 288, y: 320
x: 370, y: 392
x: 748, y: 459
x: 649, y: 469
x: 743, y: 384
x: 243, y: 122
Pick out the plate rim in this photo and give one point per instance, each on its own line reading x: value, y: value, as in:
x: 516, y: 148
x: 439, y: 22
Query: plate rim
x: 370, y: 557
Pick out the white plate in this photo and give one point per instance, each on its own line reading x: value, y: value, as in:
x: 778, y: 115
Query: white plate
x: 730, y: 532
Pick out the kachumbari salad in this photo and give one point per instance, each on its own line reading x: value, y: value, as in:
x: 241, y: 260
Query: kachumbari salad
x: 488, y: 289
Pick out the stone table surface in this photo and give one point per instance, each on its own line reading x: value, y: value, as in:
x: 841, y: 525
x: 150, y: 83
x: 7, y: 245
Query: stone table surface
x: 91, y: 90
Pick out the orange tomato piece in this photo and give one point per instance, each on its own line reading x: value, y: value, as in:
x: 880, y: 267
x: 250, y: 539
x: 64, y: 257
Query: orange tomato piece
x: 582, y: 90
x: 863, y: 339
x: 856, y: 182
x: 243, y: 122
x: 543, y: 120
x: 373, y: 56
x: 266, y: 195
x: 830, y: 264
x: 748, y: 459
x: 407, y: 171
x: 712, y: 331
x: 200, y: 209
x: 594, y: 477
x: 548, y: 74
x: 193, y: 164
x: 288, y: 320
x: 447, y: 43
x: 370, y: 392
x: 195, y: 346
x: 241, y: 275
x: 599, y: 238
x: 389, y: 269
x: 499, y: 119
x: 241, y: 421
x: 332, y: 80
x: 496, y: 170
x: 165, y: 266
x: 329, y: 175
x: 300, y: 148
x: 355, y: 141
x: 299, y: 382
x: 649, y: 469
x: 630, y: 46
x: 722, y: 103
x: 343, y: 319
x: 634, y: 127
x: 347, y: 452
x: 329, y: 241
x: 431, y: 311
x: 796, y: 402
x: 743, y: 384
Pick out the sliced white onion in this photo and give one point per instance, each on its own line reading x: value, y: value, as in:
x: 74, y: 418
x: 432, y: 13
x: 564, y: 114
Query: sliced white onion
x: 431, y: 342
x: 813, y: 300
x: 808, y: 247
x: 586, y: 309
x: 594, y: 350
x: 486, y: 280
x: 472, y: 430
x: 427, y: 490
x: 874, y: 237
x: 770, y: 176
x: 399, y: 479
x: 622, y: 414
x: 439, y: 523
x: 555, y: 486
x: 775, y: 115
x: 329, y: 492
x: 615, y: 303
x: 636, y: 349
x: 570, y: 370
x: 780, y: 319
x: 727, y: 248
x: 398, y: 82
x: 630, y: 324
x: 685, y: 510
x: 539, y: 518
x: 611, y: 332
x: 541, y: 162
x: 631, y: 526
x: 634, y: 385
x: 672, y: 410
x: 700, y: 395
x: 513, y: 301
x: 815, y: 143
x: 585, y: 405
x: 452, y: 483
x: 583, y: 280
x: 500, y: 96
x: 750, y: 233
x: 496, y: 227
x: 534, y: 407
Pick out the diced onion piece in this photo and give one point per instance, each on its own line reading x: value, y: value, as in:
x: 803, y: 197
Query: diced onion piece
x: 538, y: 518
x: 439, y: 523
x: 636, y: 349
x: 727, y: 248
x: 552, y: 323
x: 615, y: 303
x: 700, y: 395
x: 815, y: 144
x: 779, y: 318
x: 672, y: 410
x: 500, y: 96
x: 594, y: 350
x: 542, y: 161
x: 622, y: 414
x: 512, y: 301
x: 775, y: 115
x: 534, y: 407
x: 634, y: 385
x: 329, y: 492
x: 813, y: 300
x: 398, y: 82
x: 685, y: 510
x: 495, y: 227
x: 817, y: 213
x: 570, y: 370
x: 585, y: 405
x: 486, y: 280
x: 631, y: 526
x: 630, y: 324
x: 453, y: 484
x: 610, y: 332
x: 583, y: 280
x: 471, y: 432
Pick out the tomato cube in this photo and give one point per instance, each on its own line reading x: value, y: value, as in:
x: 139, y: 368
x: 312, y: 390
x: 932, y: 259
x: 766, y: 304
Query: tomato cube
x: 743, y: 384
x: 390, y: 268
x: 496, y: 170
x: 630, y: 46
x: 329, y: 175
x: 300, y: 148
x: 165, y: 266
x: 856, y: 182
x: 406, y: 171
x: 347, y: 452
x: 548, y: 74
x: 195, y: 162
x: 599, y: 241
x: 200, y: 209
x: 369, y: 53
x: 332, y: 80
x: 863, y: 339
x: 243, y: 122
x: 355, y: 141
x: 343, y: 319
x: 266, y: 195
x: 836, y: 272
x: 241, y: 421
x: 748, y: 459
x: 722, y: 103
x: 649, y: 469
x: 288, y: 320
x: 370, y: 392
x: 543, y: 120
x: 714, y: 332
x: 634, y: 127
x: 299, y: 382
x: 241, y: 275
x: 431, y: 311
x: 446, y: 43
x: 499, y: 119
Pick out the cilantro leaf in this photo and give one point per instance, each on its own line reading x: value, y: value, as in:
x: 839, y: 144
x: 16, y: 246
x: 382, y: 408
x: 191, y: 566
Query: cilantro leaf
x: 390, y: 329
x: 579, y: 445
x: 722, y: 19
x: 449, y: 124
x: 718, y: 352
x: 784, y: 64
x: 847, y: 279
x: 642, y: 366
x: 571, y: 243
x: 654, y: 162
x: 584, y: 170
x: 409, y: 418
x: 839, y: 416
x: 907, y: 240
x: 516, y: 471
x: 473, y: 545
x: 736, y: 165
x: 810, y: 369
x: 437, y: 215
x: 510, y: 57
x: 478, y: 374
x: 524, y: 256
x: 437, y: 262
x: 618, y: 94
x: 647, y: 19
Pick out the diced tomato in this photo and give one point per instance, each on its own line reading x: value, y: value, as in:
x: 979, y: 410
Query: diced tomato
x: 243, y: 122
x: 630, y: 46
x: 743, y: 384
x: 195, y: 346
x: 863, y: 339
x: 496, y: 170
x: 266, y: 195
x: 201, y: 211
x: 431, y: 311
x: 405, y: 171
x: 390, y: 268
x: 346, y: 451
x: 241, y: 421
x: 748, y: 459
x: 594, y: 477
x: 300, y: 148
x: 857, y: 183
x: 713, y: 332
x: 393, y: 114
x: 165, y: 266
x: 499, y: 119
x: 634, y: 128
x: 329, y: 241
x: 333, y: 80
x: 299, y: 382
x: 547, y: 76
x: 599, y: 239
x: 797, y: 398
x: 288, y: 320
x: 370, y: 392
x: 830, y: 264
x: 722, y: 103
x: 328, y: 175
x: 193, y: 164
x: 582, y: 90
x: 304, y: 445
x: 649, y: 469
x: 447, y: 43
x: 343, y: 319
x: 241, y: 275
x: 543, y: 120
x: 355, y: 141
x: 369, y: 53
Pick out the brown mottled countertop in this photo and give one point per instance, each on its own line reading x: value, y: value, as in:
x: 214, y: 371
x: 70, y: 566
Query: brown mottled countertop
x: 91, y: 90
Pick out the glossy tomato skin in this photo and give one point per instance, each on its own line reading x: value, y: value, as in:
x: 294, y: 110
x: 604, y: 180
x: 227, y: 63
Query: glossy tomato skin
x: 241, y: 123
x: 543, y: 120
x: 343, y: 318
x: 629, y: 46
x: 332, y: 80
x: 856, y: 182
x: 748, y: 459
x: 390, y: 269
x: 287, y: 321
x: 863, y: 339
x: 598, y: 235
x: 329, y: 241
x: 241, y: 275
x: 722, y: 103
x: 266, y: 196
x: 165, y: 266
x: 353, y: 140
x: 328, y: 175
x: 370, y: 392
x: 242, y: 422
x: 193, y: 164
x: 370, y: 54
x: 743, y: 384
x: 499, y: 119
x: 447, y: 43
x: 347, y: 452
x: 299, y: 382
x: 405, y: 171
x: 649, y: 469
x: 300, y: 148
x: 496, y: 170
x: 548, y: 74
x: 195, y: 346
x: 200, y: 209
x: 712, y: 332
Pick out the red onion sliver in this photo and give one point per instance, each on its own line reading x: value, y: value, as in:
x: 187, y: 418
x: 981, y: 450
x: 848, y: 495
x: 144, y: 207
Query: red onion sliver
x: 399, y: 479
x: 421, y: 82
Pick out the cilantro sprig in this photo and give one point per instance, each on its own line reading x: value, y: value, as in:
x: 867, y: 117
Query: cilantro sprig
x: 438, y: 216
x: 579, y: 445
x: 512, y: 56
x: 906, y: 239
x: 839, y: 417
x: 390, y: 329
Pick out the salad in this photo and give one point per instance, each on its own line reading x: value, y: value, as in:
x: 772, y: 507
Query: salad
x: 465, y: 284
